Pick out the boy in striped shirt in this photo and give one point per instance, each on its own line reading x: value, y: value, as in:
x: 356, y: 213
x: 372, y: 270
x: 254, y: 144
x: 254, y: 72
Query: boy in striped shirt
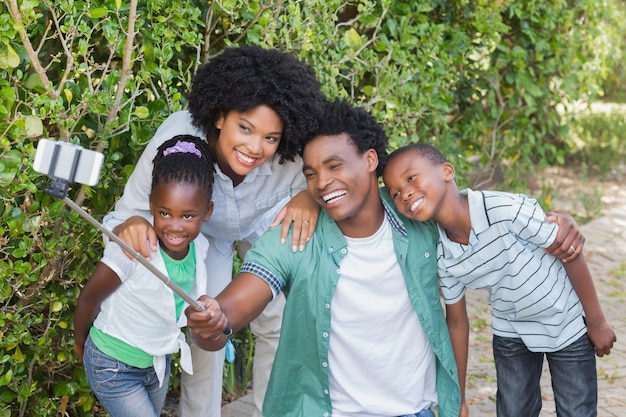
x: 540, y: 305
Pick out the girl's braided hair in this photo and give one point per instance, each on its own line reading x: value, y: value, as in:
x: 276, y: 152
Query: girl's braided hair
x: 184, y: 158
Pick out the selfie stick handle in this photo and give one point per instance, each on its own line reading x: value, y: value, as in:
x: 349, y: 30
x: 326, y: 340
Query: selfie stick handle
x: 136, y: 255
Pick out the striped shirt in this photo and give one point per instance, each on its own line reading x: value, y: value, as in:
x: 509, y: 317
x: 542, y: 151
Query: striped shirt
x: 530, y: 294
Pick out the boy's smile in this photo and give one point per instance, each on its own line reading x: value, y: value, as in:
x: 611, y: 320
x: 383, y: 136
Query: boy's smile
x: 416, y: 185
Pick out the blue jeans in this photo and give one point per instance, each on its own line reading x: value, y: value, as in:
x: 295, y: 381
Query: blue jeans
x: 423, y: 413
x: 123, y: 390
x: 518, y: 370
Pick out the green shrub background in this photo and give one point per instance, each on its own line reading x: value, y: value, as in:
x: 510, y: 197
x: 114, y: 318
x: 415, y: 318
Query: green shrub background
x: 489, y: 82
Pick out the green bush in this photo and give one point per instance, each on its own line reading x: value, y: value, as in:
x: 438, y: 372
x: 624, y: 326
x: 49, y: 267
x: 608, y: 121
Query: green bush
x: 477, y: 79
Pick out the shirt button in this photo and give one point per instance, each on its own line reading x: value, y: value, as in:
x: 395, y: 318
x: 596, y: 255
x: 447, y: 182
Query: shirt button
x: 327, y: 305
x: 326, y: 391
x: 331, y: 249
x: 325, y: 334
x: 344, y: 251
x: 326, y: 414
x: 427, y: 255
x: 324, y: 364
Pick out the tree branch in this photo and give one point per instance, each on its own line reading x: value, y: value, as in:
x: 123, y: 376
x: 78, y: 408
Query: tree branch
x: 121, y: 84
x: 14, y: 9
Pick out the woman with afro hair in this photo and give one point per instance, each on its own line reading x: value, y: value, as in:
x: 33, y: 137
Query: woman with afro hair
x: 253, y: 106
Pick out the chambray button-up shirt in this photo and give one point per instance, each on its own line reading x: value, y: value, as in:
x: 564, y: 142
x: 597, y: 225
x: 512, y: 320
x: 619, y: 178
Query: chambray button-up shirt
x: 299, y: 384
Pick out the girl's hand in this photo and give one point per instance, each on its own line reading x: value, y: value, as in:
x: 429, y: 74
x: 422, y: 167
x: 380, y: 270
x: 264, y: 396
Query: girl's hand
x: 303, y: 212
x: 569, y: 241
x: 138, y: 233
x: 79, y: 348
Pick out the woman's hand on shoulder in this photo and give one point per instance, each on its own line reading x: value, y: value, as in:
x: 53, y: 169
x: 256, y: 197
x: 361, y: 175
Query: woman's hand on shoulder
x: 138, y: 233
x: 303, y: 212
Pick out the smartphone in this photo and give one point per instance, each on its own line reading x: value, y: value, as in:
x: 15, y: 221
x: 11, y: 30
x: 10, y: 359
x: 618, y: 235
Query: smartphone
x: 68, y: 162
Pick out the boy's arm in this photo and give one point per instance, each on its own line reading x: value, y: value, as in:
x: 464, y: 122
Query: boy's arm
x: 458, y: 326
x: 599, y: 331
x: 103, y: 282
x: 240, y: 303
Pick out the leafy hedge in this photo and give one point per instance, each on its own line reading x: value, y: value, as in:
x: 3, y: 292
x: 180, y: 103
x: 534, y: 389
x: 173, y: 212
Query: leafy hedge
x: 481, y: 80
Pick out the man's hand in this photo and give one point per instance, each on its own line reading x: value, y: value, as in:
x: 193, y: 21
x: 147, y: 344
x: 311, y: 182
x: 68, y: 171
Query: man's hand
x: 569, y: 241
x: 207, y: 327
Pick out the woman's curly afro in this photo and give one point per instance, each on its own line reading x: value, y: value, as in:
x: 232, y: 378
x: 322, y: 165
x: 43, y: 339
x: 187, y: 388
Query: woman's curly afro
x: 244, y: 77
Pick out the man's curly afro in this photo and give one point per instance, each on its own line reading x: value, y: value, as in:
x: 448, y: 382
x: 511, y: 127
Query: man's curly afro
x: 365, y: 132
x: 244, y: 77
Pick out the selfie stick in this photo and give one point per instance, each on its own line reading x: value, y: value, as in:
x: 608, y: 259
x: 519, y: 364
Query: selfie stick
x: 58, y: 189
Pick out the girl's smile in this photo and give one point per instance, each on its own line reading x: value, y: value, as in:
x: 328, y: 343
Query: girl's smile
x: 179, y: 209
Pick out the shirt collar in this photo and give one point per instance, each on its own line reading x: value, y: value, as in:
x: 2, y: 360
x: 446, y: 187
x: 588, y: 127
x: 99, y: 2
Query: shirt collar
x: 397, y: 223
x: 263, y: 170
x: 477, y: 209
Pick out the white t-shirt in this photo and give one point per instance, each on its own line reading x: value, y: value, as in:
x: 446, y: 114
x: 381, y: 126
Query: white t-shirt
x: 372, y: 320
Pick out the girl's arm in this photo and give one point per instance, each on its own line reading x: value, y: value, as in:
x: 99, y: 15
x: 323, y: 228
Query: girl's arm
x: 458, y: 326
x: 302, y: 211
x: 599, y: 331
x: 103, y: 282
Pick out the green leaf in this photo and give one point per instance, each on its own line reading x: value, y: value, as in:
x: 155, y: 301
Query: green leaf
x: 142, y: 112
x: 56, y: 306
x: 34, y: 126
x: 97, y: 13
x: 352, y: 38
x: 65, y: 388
x: 6, y: 378
x: 12, y: 58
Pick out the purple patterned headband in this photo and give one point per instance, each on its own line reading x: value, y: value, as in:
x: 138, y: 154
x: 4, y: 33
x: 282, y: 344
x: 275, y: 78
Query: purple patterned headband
x: 184, y: 147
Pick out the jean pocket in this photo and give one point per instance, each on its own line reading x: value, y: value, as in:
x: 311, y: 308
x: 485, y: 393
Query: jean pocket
x: 105, y: 370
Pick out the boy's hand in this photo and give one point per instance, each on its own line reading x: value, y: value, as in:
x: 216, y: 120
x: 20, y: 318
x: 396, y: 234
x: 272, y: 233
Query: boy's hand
x: 464, y: 409
x: 602, y: 336
x: 569, y: 241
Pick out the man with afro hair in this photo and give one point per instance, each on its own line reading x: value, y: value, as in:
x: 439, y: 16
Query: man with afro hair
x: 364, y: 332
x: 253, y: 106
